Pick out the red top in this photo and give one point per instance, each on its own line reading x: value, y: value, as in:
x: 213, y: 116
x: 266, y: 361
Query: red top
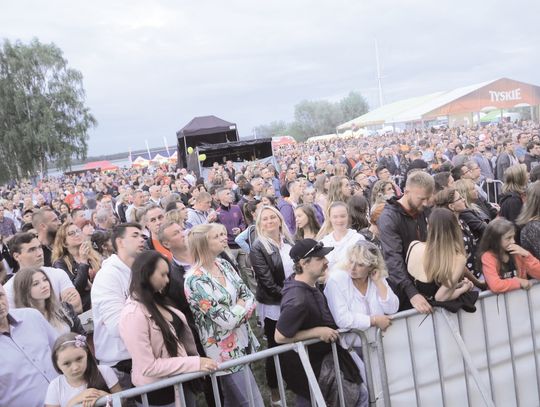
x: 528, y: 265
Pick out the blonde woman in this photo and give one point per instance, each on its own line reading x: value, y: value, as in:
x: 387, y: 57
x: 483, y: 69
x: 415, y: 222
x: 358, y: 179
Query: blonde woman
x: 272, y: 265
x: 336, y: 232
x: 75, y: 255
x: 513, y: 191
x: 339, y: 189
x: 222, y: 305
x: 358, y: 295
x: 32, y: 289
x: 437, y: 266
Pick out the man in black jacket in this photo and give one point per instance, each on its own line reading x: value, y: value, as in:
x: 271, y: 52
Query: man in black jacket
x: 403, y: 221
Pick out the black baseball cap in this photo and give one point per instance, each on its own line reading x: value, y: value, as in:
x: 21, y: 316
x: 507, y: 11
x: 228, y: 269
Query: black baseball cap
x: 308, y: 248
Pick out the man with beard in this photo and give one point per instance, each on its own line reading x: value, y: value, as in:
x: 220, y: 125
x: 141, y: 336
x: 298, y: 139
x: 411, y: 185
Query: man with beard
x: 305, y: 315
x: 403, y: 221
x: 46, y: 223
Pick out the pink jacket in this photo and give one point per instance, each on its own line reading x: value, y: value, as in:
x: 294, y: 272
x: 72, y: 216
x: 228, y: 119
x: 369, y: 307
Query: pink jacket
x: 144, y: 341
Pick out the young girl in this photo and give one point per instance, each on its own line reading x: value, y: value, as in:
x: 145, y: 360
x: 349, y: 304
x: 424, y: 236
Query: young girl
x: 336, y: 233
x: 81, y: 380
x: 505, y: 264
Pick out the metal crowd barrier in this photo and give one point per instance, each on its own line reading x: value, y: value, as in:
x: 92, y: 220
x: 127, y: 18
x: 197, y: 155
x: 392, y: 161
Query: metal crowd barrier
x: 486, y: 358
x: 317, y: 399
x: 493, y: 190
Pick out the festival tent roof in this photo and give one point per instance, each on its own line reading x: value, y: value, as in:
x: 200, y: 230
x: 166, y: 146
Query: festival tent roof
x: 140, y: 161
x: 280, y: 140
x: 502, y: 93
x: 206, y: 125
x: 102, y: 165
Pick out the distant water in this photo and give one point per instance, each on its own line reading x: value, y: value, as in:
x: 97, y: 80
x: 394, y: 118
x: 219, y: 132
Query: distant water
x: 122, y: 162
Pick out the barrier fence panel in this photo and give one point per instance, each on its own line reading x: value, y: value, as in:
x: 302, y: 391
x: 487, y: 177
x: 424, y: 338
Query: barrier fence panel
x: 300, y: 347
x: 489, y: 357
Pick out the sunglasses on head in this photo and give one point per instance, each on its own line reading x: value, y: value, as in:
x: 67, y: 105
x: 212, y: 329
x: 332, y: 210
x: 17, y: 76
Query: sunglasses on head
x: 318, y: 246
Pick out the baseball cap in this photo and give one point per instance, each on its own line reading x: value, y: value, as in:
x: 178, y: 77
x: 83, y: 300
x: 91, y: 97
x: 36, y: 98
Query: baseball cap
x: 306, y: 248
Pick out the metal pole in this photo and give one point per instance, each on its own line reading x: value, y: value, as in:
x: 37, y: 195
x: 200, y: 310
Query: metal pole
x: 468, y: 359
x: 312, y: 380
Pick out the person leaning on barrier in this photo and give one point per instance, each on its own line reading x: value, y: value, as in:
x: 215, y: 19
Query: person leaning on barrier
x: 506, y: 265
x: 157, y: 334
x: 305, y: 315
x: 401, y: 222
x: 222, y: 305
x: 358, y: 295
x: 438, y: 265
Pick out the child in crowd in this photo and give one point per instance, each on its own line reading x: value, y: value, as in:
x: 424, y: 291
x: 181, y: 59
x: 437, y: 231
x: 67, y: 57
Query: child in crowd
x: 506, y: 265
x: 81, y: 380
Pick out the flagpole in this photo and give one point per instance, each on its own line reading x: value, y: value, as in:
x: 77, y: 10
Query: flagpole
x: 166, y: 146
x: 148, y: 150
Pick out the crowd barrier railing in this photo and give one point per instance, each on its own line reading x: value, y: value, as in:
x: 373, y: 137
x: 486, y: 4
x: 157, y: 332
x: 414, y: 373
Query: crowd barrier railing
x: 317, y: 399
x: 485, y: 358
x: 493, y: 190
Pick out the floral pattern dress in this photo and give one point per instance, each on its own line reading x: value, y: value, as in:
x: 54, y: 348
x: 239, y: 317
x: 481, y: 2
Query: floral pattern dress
x: 221, y: 322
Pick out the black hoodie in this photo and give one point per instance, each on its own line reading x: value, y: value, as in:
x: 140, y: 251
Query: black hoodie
x: 397, y: 230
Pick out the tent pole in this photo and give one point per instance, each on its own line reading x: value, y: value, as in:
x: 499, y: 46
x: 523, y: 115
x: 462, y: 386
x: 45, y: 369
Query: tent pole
x: 185, y: 152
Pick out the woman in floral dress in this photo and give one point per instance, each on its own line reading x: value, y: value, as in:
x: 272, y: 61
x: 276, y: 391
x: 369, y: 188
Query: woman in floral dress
x: 222, y: 305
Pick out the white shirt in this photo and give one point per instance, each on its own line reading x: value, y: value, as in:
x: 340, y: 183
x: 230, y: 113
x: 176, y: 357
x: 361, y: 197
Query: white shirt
x: 272, y: 311
x: 109, y: 294
x: 60, y: 392
x: 351, y: 309
x: 59, y: 283
x: 339, y: 254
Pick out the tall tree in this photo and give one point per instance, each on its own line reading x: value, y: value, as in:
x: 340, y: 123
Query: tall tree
x: 352, y: 106
x: 43, y: 116
x: 272, y: 129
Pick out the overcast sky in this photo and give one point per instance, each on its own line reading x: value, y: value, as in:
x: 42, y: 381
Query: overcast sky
x: 150, y: 66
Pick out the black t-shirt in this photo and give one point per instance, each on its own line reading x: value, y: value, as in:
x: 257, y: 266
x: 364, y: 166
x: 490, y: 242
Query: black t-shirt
x: 302, y: 307
x: 47, y: 256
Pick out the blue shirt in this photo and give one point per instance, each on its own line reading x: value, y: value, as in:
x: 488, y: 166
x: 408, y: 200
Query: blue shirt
x: 26, y: 367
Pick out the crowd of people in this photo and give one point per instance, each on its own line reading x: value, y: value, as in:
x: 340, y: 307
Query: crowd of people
x: 180, y: 272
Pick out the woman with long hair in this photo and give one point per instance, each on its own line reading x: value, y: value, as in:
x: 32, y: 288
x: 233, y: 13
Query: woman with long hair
x: 506, y: 265
x: 321, y: 184
x: 307, y: 224
x: 339, y: 189
x: 513, y: 191
x: 272, y: 265
x: 371, y: 231
x: 451, y: 199
x: 81, y: 380
x: 155, y: 333
x: 382, y: 191
x: 475, y: 218
x: 32, y: 289
x: 336, y: 232
x: 222, y: 305
x: 75, y: 255
x: 358, y: 211
x: 437, y: 266
x: 529, y: 221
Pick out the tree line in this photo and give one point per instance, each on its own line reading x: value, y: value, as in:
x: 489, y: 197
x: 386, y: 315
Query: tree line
x: 316, y: 117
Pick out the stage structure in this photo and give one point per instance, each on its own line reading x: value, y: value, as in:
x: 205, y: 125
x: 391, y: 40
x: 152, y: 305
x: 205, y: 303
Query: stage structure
x: 239, y: 152
x: 203, y: 130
